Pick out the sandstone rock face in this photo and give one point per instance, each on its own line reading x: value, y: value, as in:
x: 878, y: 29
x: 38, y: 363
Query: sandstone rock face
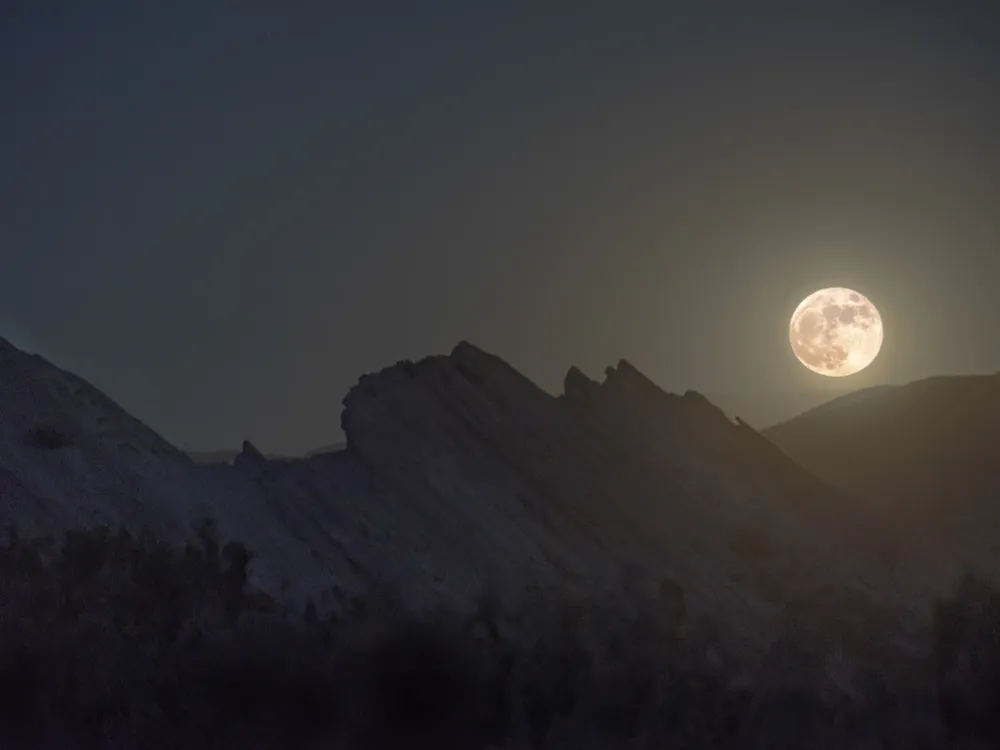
x: 460, y: 474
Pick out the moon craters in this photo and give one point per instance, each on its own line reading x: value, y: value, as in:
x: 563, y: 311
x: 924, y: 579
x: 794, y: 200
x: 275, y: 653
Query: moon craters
x: 836, y: 332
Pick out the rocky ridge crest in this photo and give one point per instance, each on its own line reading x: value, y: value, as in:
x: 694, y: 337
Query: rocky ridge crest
x: 461, y: 475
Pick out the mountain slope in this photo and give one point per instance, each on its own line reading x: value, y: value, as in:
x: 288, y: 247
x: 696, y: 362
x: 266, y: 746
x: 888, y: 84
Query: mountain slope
x: 459, y: 474
x: 925, y: 455
x: 71, y: 457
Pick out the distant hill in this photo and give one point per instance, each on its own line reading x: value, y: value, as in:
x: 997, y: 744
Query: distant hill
x: 205, y: 458
x: 926, y: 454
x: 332, y: 448
x: 763, y: 408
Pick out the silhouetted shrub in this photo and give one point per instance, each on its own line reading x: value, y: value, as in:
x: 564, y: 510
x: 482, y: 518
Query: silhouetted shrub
x: 20, y: 687
x: 113, y: 639
x: 420, y: 680
x: 965, y: 658
x: 47, y: 437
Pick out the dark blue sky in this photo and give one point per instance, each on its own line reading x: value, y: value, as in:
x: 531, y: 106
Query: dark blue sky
x: 223, y: 218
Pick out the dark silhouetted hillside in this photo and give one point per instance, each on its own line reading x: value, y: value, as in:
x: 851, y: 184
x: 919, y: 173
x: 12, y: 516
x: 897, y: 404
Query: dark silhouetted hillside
x: 926, y: 455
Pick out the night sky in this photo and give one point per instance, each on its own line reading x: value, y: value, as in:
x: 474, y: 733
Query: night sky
x: 223, y: 218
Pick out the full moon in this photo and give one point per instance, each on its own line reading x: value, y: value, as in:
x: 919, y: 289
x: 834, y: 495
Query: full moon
x: 836, y: 332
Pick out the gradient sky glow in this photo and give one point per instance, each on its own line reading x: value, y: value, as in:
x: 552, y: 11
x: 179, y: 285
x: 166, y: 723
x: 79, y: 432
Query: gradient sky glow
x: 223, y: 218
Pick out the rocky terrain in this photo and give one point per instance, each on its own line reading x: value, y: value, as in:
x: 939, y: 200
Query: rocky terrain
x: 620, y: 559
x: 459, y: 474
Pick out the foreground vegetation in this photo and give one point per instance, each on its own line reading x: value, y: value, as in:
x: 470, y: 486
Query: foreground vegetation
x: 110, y: 640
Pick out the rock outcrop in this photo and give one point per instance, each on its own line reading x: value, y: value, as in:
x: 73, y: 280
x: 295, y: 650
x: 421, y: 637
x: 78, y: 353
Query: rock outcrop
x: 461, y: 475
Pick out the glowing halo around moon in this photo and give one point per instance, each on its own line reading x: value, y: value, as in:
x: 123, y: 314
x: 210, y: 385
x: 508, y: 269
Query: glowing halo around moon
x: 836, y: 332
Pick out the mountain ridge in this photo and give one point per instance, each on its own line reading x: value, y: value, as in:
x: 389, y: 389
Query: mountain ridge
x: 461, y: 475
